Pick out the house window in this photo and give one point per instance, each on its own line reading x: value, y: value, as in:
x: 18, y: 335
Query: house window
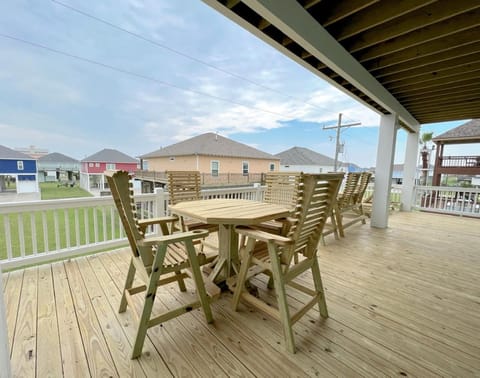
x: 172, y: 158
x: 272, y: 167
x: 97, y: 165
x: 215, y: 165
x: 245, y: 168
x: 90, y: 165
x: 111, y: 166
x: 20, y: 165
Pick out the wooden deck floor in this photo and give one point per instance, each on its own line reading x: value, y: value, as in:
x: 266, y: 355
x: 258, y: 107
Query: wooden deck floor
x: 402, y: 301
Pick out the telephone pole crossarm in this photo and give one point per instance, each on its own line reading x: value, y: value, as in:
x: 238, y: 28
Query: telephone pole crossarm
x: 338, y: 127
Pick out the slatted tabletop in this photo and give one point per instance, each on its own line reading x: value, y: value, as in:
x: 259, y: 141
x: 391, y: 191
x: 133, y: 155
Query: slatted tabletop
x: 230, y: 211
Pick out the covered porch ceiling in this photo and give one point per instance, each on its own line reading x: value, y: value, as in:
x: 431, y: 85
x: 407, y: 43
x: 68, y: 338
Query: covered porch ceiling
x: 417, y: 59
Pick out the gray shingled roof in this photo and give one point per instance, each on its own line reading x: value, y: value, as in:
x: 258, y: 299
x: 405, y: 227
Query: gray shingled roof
x: 110, y: 156
x: 303, y: 156
x: 8, y: 153
x: 210, y: 144
x: 469, y: 131
x: 56, y: 157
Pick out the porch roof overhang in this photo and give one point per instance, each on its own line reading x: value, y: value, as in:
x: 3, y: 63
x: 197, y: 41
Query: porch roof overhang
x: 418, y: 59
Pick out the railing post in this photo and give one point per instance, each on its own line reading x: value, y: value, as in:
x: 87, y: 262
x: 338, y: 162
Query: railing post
x: 4, y: 349
x: 160, y: 200
x: 258, y: 191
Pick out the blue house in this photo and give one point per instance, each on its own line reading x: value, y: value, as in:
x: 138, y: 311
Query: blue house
x: 19, y: 167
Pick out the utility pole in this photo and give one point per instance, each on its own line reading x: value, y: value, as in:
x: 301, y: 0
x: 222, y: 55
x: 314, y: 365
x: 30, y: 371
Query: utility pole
x: 337, y: 143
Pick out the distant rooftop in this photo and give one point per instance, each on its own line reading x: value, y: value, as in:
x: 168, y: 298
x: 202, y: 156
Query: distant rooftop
x: 303, y: 156
x: 110, y: 156
x: 56, y: 157
x: 209, y: 144
x: 8, y: 153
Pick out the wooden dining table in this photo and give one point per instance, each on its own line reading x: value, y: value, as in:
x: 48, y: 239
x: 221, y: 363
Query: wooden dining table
x: 228, y: 213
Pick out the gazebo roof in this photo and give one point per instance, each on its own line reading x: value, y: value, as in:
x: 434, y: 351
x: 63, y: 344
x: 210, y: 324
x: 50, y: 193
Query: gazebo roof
x: 467, y: 133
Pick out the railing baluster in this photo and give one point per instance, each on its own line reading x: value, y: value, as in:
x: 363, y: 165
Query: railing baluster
x: 86, y: 225
x: 33, y: 225
x: 21, y: 234
x: 8, y: 236
x: 67, y: 227
x: 45, y: 231
x: 77, y: 228
x: 104, y: 223
x: 95, y: 225
x: 57, y: 233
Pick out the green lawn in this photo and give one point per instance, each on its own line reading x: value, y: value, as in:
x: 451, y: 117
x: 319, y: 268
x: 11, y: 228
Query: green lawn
x: 51, y: 190
x: 67, y: 221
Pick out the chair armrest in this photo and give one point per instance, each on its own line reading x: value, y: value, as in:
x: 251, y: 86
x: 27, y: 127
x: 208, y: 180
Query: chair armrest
x: 263, y: 236
x: 173, y: 238
x: 150, y: 221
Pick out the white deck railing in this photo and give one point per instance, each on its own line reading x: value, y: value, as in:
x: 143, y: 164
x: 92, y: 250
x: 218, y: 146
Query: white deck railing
x: 450, y: 200
x: 37, y: 231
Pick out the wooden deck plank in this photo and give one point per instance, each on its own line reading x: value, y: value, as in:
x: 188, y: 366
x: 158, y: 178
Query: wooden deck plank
x: 24, y: 351
x: 115, y: 339
x: 199, y: 354
x: 105, y: 271
x: 98, y: 356
x: 162, y: 337
x: 402, y: 301
x: 71, y: 346
x: 12, y: 291
x: 49, y: 359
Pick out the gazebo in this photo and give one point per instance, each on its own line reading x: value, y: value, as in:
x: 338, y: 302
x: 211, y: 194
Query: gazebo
x: 457, y: 165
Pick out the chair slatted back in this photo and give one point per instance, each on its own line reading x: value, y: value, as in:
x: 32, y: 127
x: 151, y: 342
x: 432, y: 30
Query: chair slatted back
x: 347, y: 197
x: 183, y: 186
x: 120, y: 184
x: 361, y: 187
x: 317, y: 194
x: 282, y: 188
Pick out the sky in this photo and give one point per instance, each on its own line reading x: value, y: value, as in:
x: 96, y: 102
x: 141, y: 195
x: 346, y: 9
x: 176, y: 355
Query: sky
x: 77, y: 77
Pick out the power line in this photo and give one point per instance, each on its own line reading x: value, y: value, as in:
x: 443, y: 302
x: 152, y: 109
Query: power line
x: 158, y: 44
x: 138, y: 75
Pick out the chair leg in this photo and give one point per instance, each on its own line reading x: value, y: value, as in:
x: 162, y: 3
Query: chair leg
x: 197, y: 277
x: 317, y: 280
x: 338, y: 221
x: 128, y: 285
x: 246, y: 259
x: 181, y: 281
x: 281, y: 292
x: 149, y: 299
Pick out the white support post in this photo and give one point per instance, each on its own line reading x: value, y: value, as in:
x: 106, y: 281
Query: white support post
x: 383, y: 171
x: 4, y: 349
x: 409, y: 171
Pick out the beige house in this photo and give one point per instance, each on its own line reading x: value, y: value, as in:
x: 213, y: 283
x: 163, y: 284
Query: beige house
x: 210, y: 154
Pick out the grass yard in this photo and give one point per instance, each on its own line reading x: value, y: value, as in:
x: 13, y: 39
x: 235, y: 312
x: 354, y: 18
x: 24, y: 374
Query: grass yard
x: 75, y: 226
x: 51, y: 190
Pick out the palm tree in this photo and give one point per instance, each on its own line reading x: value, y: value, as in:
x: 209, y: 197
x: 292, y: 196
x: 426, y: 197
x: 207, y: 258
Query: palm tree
x: 425, y: 138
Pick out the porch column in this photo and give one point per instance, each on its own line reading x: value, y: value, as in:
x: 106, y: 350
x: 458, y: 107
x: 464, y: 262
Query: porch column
x: 383, y: 171
x: 409, y: 171
x: 4, y: 349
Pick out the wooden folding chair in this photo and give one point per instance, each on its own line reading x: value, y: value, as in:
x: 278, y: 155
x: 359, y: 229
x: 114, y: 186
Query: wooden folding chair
x: 185, y: 186
x: 281, y: 189
x: 349, y: 207
x: 274, y: 254
x: 158, y: 260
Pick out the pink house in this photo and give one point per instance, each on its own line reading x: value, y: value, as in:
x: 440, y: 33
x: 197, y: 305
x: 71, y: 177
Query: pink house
x: 92, y: 168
